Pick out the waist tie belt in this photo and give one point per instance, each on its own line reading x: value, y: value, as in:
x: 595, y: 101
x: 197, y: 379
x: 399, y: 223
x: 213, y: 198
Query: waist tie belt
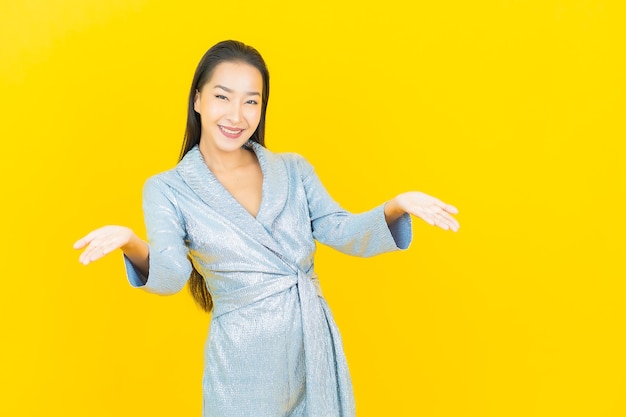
x: 233, y: 300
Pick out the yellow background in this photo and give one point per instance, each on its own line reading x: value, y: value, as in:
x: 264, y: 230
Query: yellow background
x: 512, y: 110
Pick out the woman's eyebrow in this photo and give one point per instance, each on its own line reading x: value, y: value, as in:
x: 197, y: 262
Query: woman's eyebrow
x: 228, y: 90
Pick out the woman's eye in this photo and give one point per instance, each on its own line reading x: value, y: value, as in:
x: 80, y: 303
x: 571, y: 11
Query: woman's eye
x: 252, y: 102
x: 221, y: 97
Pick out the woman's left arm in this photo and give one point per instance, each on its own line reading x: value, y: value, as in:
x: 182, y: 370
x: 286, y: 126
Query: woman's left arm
x: 430, y: 209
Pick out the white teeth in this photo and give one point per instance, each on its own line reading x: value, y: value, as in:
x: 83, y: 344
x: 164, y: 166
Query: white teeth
x: 231, y: 132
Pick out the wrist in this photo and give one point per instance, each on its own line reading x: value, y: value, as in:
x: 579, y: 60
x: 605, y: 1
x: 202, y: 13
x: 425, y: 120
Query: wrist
x: 393, y: 210
x: 133, y: 244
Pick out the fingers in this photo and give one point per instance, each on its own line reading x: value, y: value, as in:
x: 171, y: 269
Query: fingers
x: 79, y: 244
x: 435, y: 215
x: 446, y: 222
x: 92, y: 253
x: 98, y: 244
x: 441, y: 215
x: 89, y: 254
x: 83, y: 241
x: 447, y: 207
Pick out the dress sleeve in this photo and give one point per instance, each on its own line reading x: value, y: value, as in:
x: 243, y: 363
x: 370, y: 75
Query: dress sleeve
x: 169, y: 265
x: 365, y: 234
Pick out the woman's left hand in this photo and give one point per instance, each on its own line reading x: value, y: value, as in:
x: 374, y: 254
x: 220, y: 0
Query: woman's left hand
x: 430, y: 209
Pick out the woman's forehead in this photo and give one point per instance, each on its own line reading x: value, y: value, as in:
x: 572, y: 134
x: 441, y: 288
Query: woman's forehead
x: 237, y: 77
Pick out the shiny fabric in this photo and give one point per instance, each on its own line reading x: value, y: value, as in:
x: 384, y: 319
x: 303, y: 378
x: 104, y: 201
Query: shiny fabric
x: 273, y: 349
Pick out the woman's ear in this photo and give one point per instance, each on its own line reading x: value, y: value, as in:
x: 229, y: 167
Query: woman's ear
x: 196, y: 101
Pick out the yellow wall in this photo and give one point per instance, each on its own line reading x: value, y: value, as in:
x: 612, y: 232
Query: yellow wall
x: 512, y: 110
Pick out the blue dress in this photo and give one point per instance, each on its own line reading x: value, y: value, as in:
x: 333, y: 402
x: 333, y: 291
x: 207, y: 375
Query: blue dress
x: 273, y: 349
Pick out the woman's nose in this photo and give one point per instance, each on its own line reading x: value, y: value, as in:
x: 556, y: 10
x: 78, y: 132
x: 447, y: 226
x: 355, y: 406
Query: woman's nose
x: 234, y: 113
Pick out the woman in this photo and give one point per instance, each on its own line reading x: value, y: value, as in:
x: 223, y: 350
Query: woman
x: 240, y: 224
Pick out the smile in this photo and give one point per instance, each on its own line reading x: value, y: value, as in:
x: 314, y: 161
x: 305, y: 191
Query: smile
x: 230, y: 132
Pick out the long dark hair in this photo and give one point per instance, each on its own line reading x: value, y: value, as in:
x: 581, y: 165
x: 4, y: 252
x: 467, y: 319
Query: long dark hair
x: 225, y: 51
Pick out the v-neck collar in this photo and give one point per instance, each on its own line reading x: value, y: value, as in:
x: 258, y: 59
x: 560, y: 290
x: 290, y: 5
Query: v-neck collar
x: 203, y: 182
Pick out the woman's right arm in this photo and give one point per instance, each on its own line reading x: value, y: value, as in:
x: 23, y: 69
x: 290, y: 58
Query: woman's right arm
x: 105, y: 240
x: 167, y: 257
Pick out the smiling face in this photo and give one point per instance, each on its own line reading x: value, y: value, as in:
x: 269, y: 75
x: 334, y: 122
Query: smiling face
x: 229, y: 105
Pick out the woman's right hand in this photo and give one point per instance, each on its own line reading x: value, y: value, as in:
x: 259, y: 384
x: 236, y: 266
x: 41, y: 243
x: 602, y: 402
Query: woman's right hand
x: 103, y: 241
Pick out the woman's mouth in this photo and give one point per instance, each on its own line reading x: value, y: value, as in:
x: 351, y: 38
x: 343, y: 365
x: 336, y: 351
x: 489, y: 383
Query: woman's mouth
x: 230, y: 132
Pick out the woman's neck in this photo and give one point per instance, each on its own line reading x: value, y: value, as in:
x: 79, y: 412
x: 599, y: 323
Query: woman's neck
x: 220, y: 161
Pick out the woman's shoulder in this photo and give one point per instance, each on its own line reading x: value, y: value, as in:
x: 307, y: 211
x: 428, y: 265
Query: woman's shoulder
x: 190, y: 165
x: 164, y: 180
x: 291, y: 159
x: 298, y: 163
